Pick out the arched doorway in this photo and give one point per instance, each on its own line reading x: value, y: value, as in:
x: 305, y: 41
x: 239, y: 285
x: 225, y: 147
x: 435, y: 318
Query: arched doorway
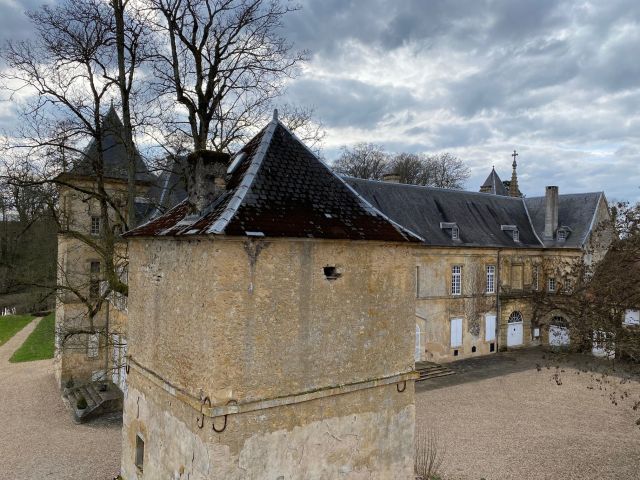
x: 515, y: 329
x: 418, y: 350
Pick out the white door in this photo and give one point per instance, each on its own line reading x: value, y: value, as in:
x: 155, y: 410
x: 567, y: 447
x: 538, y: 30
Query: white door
x: 558, y: 336
x: 418, y: 350
x: 514, y: 329
x: 490, y: 328
x: 456, y: 332
x: 514, y: 334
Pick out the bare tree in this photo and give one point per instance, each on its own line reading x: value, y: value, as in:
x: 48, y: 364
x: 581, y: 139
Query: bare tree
x: 68, y: 69
x: 363, y: 160
x: 410, y: 167
x: 223, y: 61
x: 132, y: 44
x: 445, y: 170
x: 592, y: 300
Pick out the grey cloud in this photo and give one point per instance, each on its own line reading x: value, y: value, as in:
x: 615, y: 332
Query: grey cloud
x: 350, y: 103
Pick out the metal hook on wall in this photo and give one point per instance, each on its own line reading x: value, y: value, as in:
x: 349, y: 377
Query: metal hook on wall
x: 127, y: 366
x: 200, y: 420
x: 224, y: 426
x: 404, y: 386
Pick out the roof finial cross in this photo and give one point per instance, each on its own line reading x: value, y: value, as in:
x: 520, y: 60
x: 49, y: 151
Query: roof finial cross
x: 514, y: 155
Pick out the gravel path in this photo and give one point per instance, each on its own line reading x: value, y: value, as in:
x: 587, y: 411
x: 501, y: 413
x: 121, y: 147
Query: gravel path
x: 523, y: 425
x: 38, y: 439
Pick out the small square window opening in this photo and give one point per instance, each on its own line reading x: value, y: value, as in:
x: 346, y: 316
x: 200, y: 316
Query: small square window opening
x: 331, y: 273
x: 551, y: 285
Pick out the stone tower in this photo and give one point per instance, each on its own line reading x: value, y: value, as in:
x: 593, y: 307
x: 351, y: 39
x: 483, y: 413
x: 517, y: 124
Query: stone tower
x: 81, y: 336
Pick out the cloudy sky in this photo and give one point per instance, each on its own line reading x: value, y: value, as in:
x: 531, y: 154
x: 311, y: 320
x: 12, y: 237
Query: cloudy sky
x: 559, y: 81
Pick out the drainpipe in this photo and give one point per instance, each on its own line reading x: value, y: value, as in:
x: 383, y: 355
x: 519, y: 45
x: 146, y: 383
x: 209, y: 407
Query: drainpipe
x: 498, y: 302
x: 106, y: 348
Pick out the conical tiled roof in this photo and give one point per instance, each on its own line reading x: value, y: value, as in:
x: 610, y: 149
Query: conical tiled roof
x: 114, y: 154
x: 493, y: 184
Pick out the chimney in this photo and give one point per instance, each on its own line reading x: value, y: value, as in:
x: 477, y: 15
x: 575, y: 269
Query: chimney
x: 550, y: 212
x: 391, y: 178
x: 206, y: 177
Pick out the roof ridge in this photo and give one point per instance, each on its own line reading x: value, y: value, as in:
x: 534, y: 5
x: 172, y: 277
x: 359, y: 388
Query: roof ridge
x: 363, y: 201
x: 425, y: 187
x: 247, y: 180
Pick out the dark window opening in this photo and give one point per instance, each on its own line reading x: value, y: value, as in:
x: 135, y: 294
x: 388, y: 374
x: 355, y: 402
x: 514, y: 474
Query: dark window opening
x: 473, y: 349
x: 492, y: 347
x: 455, y: 353
x: 331, y: 273
x: 139, y: 452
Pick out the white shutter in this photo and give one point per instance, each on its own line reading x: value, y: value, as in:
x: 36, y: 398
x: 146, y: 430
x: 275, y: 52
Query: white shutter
x: 490, y: 328
x: 456, y: 332
x: 93, y: 344
x: 632, y: 317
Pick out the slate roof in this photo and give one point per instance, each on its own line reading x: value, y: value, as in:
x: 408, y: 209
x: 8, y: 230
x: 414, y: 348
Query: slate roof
x: 479, y: 216
x: 170, y: 188
x: 114, y: 154
x: 281, y: 189
x: 494, y: 185
x: 576, y: 210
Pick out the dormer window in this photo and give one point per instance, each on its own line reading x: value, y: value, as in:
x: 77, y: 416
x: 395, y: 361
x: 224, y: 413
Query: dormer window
x: 563, y: 233
x: 513, y: 230
x: 453, y: 227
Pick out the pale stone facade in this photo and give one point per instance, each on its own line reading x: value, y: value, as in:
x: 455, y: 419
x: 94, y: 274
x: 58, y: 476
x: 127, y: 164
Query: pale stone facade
x: 319, y: 369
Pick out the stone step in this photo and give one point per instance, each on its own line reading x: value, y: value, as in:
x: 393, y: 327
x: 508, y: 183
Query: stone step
x: 429, y: 370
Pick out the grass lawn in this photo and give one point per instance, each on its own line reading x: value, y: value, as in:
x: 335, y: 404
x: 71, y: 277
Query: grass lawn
x: 38, y: 345
x: 12, y: 324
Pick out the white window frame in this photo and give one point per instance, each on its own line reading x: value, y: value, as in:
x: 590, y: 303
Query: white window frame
x: 491, y: 279
x: 516, y: 235
x: 456, y: 280
x: 96, y: 225
x: 562, y: 235
x: 551, y: 284
x: 455, y: 233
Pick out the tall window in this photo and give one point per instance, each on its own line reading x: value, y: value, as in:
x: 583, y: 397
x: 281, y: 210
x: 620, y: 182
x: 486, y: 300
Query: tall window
x: 551, y: 284
x: 536, y: 278
x: 456, y: 280
x: 516, y: 236
x: 491, y: 279
x: 417, y: 281
x: 95, y: 225
x: 94, y: 280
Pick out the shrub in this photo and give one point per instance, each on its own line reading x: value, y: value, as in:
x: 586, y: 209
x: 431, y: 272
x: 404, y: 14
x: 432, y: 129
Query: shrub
x: 429, y: 455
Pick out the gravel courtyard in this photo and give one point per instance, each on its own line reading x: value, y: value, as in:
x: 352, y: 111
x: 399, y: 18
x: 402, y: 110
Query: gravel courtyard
x: 511, y: 417
x: 38, y: 439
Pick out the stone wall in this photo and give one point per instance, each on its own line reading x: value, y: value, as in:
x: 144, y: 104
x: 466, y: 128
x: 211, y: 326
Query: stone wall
x: 436, y: 306
x: 247, y: 322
